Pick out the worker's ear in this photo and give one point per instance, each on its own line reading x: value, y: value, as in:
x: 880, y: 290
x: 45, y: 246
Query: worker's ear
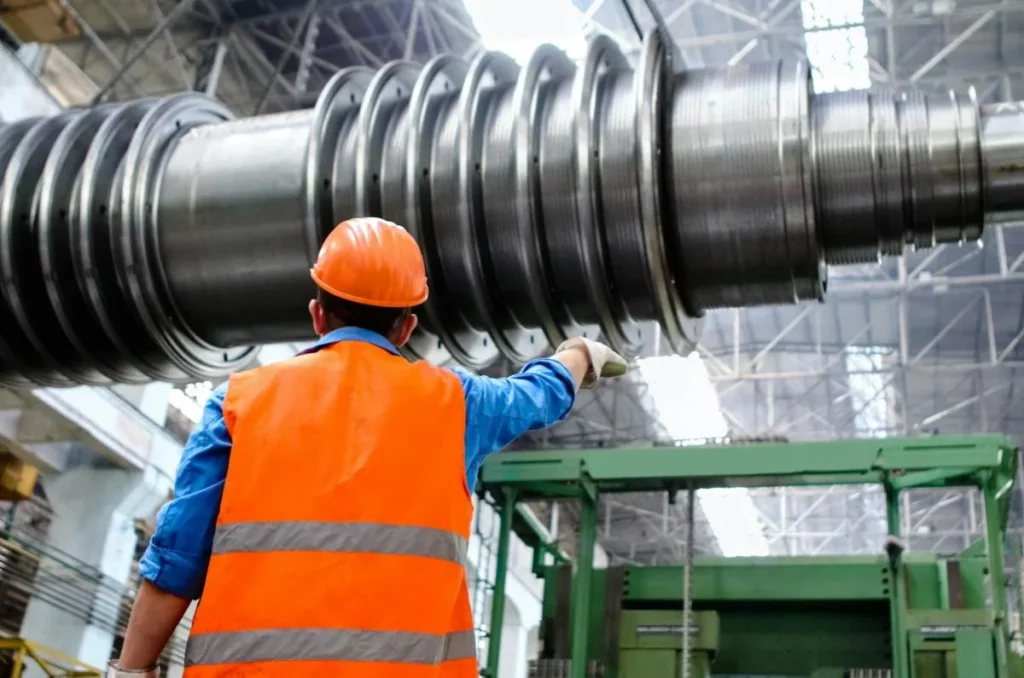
x: 316, y: 312
x: 404, y: 329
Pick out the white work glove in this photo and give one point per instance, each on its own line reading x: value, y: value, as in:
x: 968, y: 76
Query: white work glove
x: 604, y: 362
x: 113, y: 671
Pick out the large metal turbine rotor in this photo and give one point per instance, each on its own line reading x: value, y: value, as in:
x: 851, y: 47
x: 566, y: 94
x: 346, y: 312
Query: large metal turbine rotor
x: 162, y: 240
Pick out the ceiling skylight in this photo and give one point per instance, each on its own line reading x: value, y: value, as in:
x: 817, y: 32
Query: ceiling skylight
x: 518, y: 28
x: 837, y: 44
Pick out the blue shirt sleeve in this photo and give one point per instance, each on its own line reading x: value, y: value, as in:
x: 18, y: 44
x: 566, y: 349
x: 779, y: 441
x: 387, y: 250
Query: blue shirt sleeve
x: 500, y: 410
x: 178, y: 555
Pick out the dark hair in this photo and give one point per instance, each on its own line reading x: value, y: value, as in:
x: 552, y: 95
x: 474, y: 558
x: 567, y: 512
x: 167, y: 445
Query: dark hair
x: 350, y: 314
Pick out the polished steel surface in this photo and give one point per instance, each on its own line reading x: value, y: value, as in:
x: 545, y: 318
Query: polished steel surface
x: 142, y: 272
x: 1002, y: 137
x: 234, y: 240
x: 652, y: 91
x: 163, y: 240
x: 909, y: 165
x: 743, y: 221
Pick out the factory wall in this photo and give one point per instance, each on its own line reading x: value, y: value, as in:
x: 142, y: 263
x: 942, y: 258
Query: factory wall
x: 94, y: 512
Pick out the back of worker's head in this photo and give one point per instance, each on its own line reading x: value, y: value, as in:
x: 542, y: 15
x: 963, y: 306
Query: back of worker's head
x: 369, y: 274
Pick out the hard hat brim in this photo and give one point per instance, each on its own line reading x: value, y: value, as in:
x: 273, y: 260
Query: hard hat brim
x: 393, y: 303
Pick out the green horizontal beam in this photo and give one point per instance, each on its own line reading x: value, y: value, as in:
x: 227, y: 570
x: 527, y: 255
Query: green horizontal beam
x: 809, y: 579
x: 530, y: 530
x: 560, y: 473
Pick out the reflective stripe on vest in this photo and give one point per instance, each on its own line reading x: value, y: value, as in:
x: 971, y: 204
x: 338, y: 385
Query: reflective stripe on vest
x: 328, y: 645
x: 402, y: 540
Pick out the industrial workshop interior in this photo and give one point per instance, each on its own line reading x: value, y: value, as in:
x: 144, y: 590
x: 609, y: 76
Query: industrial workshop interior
x: 801, y: 222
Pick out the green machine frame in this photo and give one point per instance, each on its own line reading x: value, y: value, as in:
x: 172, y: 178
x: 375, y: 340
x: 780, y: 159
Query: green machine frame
x: 988, y: 463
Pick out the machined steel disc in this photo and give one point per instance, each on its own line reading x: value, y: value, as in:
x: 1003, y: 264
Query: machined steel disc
x: 92, y: 253
x: 20, y: 366
x: 410, y: 205
x: 95, y: 361
x: 20, y: 272
x: 339, y: 101
x: 141, y: 269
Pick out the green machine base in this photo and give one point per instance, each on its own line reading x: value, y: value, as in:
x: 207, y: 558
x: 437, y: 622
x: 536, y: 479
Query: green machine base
x: 890, y: 615
x: 651, y: 643
x: 792, y: 617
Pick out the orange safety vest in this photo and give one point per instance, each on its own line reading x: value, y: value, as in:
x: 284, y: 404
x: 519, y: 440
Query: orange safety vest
x: 342, y: 534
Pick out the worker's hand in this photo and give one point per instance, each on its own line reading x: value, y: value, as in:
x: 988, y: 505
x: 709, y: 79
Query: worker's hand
x: 604, y: 362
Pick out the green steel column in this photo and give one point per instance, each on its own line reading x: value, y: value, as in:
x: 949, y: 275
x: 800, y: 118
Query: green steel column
x: 943, y: 569
x: 507, y: 510
x: 900, y: 666
x: 1018, y: 595
x: 994, y: 542
x: 580, y: 615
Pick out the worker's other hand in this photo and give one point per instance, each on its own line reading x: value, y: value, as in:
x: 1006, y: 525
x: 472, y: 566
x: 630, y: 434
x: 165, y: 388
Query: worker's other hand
x: 604, y: 362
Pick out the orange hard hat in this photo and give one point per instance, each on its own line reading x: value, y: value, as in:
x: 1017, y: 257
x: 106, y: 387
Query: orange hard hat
x: 372, y: 261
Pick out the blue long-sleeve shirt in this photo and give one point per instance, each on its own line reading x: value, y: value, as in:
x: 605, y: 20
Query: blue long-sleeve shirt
x: 497, y: 412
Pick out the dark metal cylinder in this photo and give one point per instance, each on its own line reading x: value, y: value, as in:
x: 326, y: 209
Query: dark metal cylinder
x: 741, y: 155
x: 1002, y: 141
x: 895, y: 170
x: 161, y: 240
x: 236, y: 236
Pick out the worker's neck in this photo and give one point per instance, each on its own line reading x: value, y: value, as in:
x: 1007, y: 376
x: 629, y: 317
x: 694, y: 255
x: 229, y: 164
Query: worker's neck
x: 338, y: 326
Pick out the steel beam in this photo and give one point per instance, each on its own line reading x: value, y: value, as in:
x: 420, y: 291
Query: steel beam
x: 410, y: 42
x: 178, y: 11
x: 366, y: 55
x: 176, y: 57
x: 96, y: 41
x: 797, y: 30
x: 216, y: 68
x: 953, y: 44
x: 306, y: 55
x: 304, y: 21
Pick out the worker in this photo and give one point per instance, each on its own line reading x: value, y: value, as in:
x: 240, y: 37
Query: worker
x: 322, y: 505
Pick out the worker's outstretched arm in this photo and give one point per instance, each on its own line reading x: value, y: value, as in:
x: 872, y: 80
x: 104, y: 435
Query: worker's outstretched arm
x: 173, y: 568
x: 500, y: 410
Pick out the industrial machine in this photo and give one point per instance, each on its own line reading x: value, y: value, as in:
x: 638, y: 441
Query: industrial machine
x: 896, y: 614
x: 162, y: 240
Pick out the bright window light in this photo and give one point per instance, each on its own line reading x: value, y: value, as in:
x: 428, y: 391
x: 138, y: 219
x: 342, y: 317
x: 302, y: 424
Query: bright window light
x: 838, y: 55
x: 687, y: 407
x: 684, y: 397
x: 871, y: 390
x: 518, y: 28
x: 734, y: 521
